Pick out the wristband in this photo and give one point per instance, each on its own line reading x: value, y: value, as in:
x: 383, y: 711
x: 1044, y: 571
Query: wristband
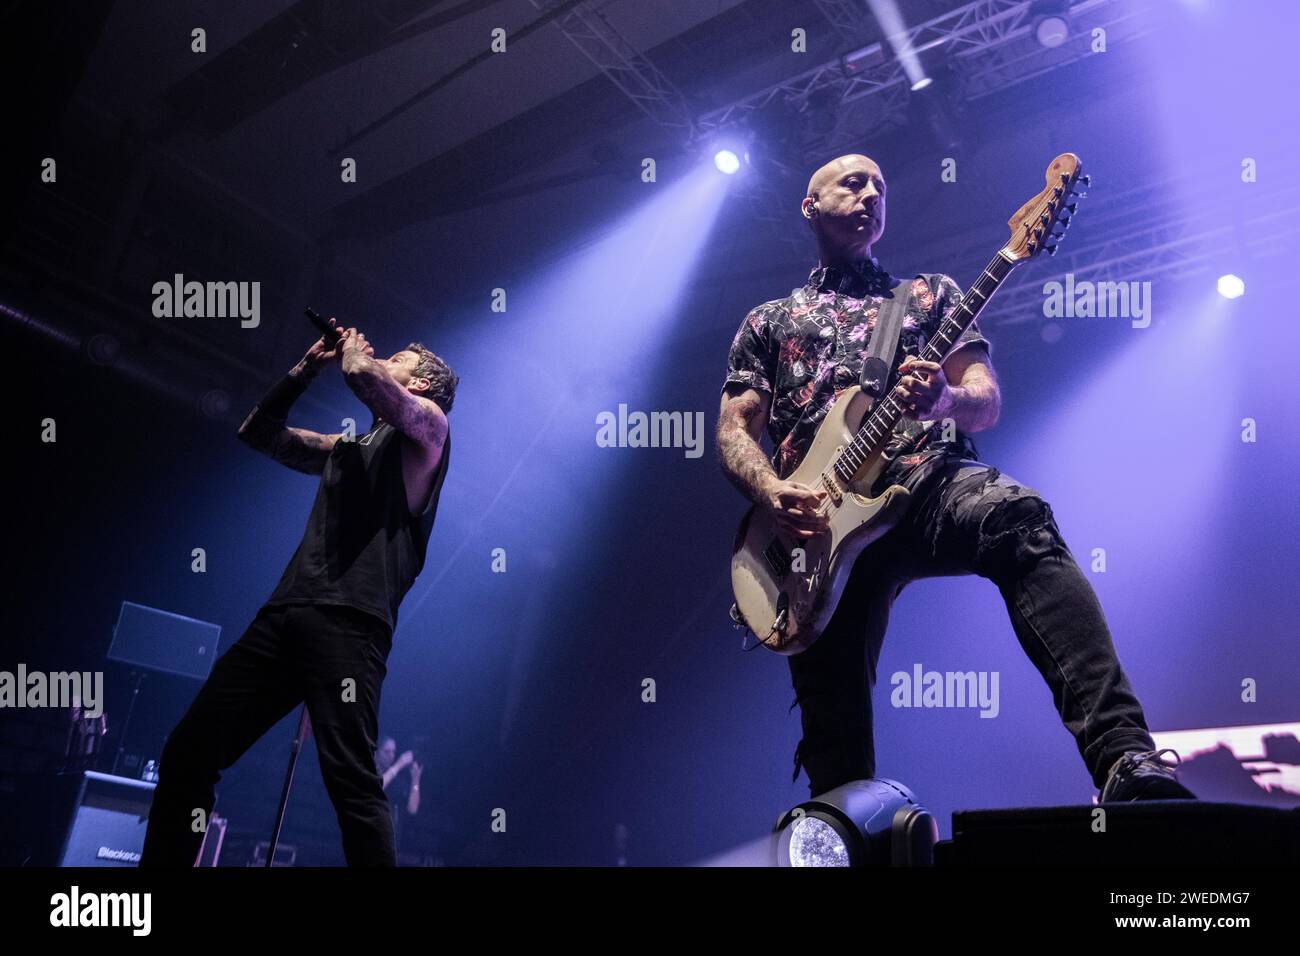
x: 277, y: 402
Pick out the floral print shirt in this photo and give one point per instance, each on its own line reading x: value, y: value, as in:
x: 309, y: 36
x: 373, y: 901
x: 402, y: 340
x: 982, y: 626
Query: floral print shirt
x: 805, y: 349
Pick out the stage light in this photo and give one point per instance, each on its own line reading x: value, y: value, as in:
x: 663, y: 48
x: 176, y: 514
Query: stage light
x: 921, y: 84
x: 726, y: 161
x: 1050, y: 22
x: 103, y: 349
x: 873, y: 822
x: 214, y: 404
x: 1052, y: 31
x: 862, y: 58
x: 814, y: 842
x: 1231, y: 286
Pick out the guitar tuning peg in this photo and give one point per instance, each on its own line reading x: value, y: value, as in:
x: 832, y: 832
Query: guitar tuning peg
x: 1038, y: 235
x: 1058, y: 236
x: 1070, y: 207
x: 1045, y: 218
x: 1050, y: 250
x: 1086, y: 180
x: 1057, y: 190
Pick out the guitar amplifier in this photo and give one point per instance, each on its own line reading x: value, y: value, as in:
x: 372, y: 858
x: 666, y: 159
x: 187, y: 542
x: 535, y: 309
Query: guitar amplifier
x: 104, y: 819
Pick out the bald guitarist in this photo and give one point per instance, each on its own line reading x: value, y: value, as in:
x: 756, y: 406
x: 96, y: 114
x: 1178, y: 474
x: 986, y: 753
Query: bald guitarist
x: 789, y: 359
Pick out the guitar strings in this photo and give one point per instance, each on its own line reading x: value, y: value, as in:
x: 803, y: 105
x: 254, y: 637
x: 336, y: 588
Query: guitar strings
x: 855, y: 453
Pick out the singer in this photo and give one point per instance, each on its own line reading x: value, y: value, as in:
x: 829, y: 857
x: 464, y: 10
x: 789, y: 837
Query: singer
x: 325, y: 633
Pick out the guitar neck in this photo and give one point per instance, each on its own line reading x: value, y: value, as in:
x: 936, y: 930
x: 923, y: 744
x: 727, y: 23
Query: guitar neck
x: 879, y: 425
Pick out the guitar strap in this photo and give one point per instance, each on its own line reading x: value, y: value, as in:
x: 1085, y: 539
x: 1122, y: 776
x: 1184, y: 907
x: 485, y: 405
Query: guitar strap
x: 878, y: 365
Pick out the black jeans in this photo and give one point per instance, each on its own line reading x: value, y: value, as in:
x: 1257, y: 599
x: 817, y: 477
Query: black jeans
x: 333, y: 657
x: 965, y: 518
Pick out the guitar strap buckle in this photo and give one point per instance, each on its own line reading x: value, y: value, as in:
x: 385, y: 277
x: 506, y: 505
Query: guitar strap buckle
x: 875, y: 373
x: 878, y: 363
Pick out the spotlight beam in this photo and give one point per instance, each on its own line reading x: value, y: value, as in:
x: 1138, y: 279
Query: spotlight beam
x: 895, y: 30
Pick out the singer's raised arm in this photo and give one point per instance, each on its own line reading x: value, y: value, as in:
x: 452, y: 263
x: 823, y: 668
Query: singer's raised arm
x: 265, y: 430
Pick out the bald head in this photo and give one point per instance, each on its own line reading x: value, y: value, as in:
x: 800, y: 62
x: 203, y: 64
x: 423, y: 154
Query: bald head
x: 835, y: 168
x: 845, y: 206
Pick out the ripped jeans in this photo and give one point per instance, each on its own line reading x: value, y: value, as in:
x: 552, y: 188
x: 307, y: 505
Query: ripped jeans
x: 965, y: 518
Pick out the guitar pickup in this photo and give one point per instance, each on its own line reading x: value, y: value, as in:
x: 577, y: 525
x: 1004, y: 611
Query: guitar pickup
x: 777, y: 558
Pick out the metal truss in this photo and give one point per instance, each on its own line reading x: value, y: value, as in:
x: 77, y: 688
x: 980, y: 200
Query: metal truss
x: 989, y: 39
x: 985, y: 46
x: 849, y: 17
x: 772, y: 209
x: 632, y: 72
x: 989, y: 46
x: 986, y: 52
x: 1018, y: 56
x: 1152, y: 233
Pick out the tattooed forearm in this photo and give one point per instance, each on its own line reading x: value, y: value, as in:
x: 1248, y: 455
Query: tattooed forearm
x: 298, y: 448
x: 742, y: 458
x: 303, y: 450
x: 974, y: 405
x: 264, y: 429
x: 417, y: 418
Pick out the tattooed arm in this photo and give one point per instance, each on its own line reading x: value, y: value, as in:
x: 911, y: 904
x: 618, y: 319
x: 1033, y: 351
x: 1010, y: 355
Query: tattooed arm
x: 264, y: 429
x: 974, y: 402
x: 419, y: 419
x: 740, y: 423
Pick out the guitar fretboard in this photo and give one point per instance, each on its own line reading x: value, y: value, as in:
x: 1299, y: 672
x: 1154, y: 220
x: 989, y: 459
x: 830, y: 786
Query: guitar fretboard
x: 879, y: 425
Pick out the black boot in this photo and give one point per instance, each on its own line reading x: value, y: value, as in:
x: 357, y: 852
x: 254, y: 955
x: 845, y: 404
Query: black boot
x: 1142, y: 775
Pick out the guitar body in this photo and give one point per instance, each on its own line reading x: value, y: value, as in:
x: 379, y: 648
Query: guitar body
x: 785, y: 601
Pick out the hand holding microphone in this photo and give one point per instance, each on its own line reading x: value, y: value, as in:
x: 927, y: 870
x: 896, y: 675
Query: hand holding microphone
x: 330, y: 331
x: 325, y: 348
x: 333, y: 342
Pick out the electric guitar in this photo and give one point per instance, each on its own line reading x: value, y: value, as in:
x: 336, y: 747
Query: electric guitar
x: 787, y: 588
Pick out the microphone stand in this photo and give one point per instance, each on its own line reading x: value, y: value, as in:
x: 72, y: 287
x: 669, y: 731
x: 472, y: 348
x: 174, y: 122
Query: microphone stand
x: 304, y: 728
x: 331, y: 336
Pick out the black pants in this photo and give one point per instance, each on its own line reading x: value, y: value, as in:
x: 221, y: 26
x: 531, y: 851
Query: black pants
x: 333, y: 657
x: 965, y: 518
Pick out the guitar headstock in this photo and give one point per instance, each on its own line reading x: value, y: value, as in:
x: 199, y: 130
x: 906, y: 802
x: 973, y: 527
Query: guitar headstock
x: 1034, y: 226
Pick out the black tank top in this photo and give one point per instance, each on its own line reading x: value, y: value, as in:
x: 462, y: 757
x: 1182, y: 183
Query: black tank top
x: 362, y: 546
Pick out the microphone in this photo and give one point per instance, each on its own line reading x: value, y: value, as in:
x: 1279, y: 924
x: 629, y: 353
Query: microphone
x: 330, y: 332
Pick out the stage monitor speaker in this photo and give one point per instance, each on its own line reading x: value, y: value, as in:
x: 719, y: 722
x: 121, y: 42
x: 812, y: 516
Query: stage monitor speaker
x: 106, y: 820
x: 161, y: 641
x: 1141, y: 833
